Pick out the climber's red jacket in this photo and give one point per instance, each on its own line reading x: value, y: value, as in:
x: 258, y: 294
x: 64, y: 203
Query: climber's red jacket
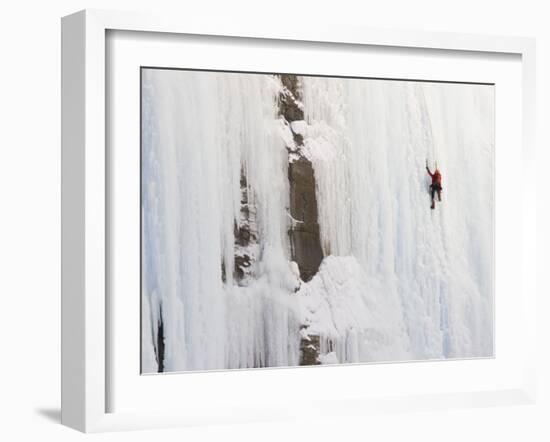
x: 436, y: 176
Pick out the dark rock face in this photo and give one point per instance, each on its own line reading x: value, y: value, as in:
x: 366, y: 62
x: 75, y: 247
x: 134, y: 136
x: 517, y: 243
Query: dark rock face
x: 309, y: 351
x: 246, y: 237
x: 289, y: 104
x: 159, y: 347
x: 242, y: 265
x: 304, y: 233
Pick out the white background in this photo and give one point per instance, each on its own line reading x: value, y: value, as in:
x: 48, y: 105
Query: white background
x: 30, y: 220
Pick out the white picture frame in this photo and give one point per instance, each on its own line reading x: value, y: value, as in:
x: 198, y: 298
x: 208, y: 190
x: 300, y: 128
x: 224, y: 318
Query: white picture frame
x: 86, y: 201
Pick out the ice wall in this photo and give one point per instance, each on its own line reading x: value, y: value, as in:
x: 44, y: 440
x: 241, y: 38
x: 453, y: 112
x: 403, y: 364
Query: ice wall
x: 398, y: 282
x: 369, y: 141
x: 199, y: 132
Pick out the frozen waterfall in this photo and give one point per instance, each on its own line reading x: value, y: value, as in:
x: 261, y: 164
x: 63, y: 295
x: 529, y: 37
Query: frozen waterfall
x: 398, y: 281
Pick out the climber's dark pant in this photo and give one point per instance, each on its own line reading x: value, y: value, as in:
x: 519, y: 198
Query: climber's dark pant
x: 436, y: 188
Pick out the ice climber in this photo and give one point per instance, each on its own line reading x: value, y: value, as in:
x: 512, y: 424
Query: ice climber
x: 435, y: 186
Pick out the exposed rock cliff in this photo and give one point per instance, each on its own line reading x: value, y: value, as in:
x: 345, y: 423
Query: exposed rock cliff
x: 304, y: 232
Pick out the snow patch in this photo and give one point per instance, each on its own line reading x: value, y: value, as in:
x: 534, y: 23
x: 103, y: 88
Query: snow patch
x: 355, y: 316
x: 328, y: 358
x: 298, y: 127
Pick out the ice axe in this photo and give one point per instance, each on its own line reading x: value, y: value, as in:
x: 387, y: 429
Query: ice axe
x: 429, y: 166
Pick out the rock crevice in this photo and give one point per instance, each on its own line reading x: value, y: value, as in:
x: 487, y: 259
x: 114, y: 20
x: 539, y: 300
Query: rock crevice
x: 304, y: 233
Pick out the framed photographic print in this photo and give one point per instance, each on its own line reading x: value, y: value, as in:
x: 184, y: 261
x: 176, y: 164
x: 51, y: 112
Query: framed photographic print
x: 266, y: 223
